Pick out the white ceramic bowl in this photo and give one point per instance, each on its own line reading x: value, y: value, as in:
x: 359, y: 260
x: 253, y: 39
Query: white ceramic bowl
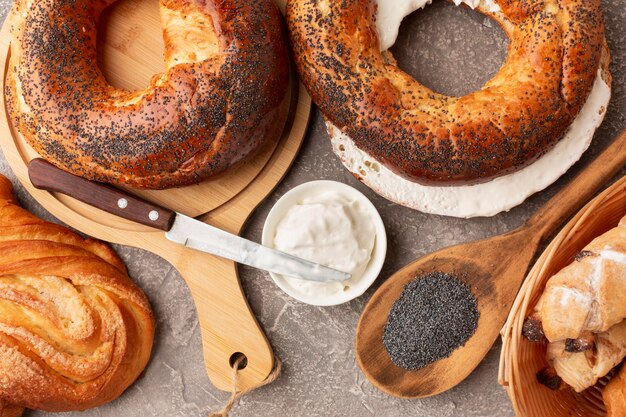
x: 295, y: 196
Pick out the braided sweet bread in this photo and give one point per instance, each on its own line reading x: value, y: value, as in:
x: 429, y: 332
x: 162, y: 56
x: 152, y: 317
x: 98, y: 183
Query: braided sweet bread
x: 75, y: 331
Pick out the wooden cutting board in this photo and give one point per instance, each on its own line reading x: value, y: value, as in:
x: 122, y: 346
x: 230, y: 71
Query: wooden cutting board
x: 130, y: 52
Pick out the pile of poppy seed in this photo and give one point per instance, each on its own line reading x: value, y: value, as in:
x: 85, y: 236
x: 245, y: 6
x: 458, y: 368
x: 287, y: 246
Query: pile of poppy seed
x: 435, y: 314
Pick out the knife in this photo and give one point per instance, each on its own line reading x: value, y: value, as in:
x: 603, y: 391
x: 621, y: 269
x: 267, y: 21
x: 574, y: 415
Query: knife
x: 178, y: 228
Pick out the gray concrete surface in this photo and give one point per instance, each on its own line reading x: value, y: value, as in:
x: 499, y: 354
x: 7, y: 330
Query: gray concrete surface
x: 450, y: 49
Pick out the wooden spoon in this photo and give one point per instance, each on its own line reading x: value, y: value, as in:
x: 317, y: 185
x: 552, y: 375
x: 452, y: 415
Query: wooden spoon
x: 494, y: 268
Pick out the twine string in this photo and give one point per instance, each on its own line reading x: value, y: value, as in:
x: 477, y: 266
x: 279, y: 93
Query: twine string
x: 236, y: 395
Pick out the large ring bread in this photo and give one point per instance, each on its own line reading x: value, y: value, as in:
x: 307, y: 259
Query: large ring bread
x: 219, y: 101
x: 432, y: 138
x: 75, y: 331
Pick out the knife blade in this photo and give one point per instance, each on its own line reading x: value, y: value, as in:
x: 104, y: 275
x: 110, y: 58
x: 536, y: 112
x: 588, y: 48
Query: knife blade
x: 178, y: 228
x: 210, y: 239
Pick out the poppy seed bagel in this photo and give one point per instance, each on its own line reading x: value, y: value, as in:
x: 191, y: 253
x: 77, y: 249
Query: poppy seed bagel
x: 434, y: 139
x: 218, y: 102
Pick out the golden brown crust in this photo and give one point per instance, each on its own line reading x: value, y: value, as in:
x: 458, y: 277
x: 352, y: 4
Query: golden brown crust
x: 588, y: 294
x: 202, y: 116
x: 10, y: 410
x: 614, y: 395
x: 581, y: 370
x: 582, y: 311
x: 75, y: 331
x: 427, y: 137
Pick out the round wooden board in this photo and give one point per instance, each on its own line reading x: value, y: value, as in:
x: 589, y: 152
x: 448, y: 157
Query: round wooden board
x: 130, y: 52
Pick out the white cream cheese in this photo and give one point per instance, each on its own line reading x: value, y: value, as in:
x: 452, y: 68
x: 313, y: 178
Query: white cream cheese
x: 486, y: 199
x: 391, y: 13
x: 330, y: 229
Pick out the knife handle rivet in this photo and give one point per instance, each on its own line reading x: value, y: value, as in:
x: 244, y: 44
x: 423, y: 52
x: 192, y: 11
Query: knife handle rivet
x: 122, y: 203
x: 153, y: 215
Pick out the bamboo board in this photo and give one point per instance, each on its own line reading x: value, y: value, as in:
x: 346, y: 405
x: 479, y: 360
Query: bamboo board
x: 130, y: 52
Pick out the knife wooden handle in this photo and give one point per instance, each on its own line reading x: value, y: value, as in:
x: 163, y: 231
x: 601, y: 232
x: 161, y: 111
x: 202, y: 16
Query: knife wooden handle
x: 46, y: 176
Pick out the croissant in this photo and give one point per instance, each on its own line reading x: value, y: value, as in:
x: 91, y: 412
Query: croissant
x: 75, y: 331
x: 587, y: 295
x: 614, y: 395
x: 580, y: 370
x: 582, y: 311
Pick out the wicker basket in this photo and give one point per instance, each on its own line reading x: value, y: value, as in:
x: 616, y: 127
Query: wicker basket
x: 520, y: 359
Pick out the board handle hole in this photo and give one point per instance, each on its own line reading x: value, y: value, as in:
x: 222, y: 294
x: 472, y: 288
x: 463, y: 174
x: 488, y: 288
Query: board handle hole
x: 238, y: 358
